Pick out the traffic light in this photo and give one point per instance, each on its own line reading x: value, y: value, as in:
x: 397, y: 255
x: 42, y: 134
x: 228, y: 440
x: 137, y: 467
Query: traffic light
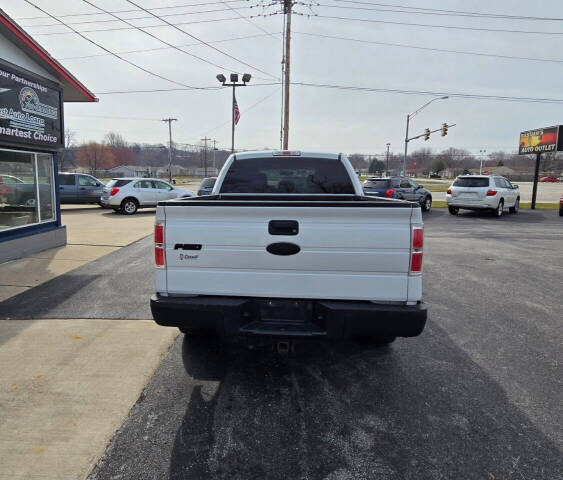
x: 426, y: 134
x: 444, y: 129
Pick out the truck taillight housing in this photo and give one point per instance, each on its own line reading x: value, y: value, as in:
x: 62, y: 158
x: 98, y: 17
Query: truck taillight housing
x: 417, y: 243
x: 113, y: 192
x: 389, y: 193
x: 159, y: 247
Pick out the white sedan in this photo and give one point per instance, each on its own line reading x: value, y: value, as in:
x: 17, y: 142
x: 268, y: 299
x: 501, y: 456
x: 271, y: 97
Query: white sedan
x: 127, y: 195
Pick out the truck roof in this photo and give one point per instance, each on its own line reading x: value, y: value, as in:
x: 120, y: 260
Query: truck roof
x: 285, y: 153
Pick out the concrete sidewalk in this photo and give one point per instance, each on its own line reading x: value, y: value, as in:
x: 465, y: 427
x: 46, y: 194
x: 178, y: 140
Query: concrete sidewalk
x: 66, y: 387
x: 91, y: 232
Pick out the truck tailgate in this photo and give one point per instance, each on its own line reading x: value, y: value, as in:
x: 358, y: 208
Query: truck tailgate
x: 346, y: 252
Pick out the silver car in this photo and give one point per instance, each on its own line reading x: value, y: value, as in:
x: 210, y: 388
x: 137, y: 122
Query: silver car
x: 127, y: 195
x: 483, y: 192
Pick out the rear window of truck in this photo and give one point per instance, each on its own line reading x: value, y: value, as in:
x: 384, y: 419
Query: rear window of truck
x: 471, y: 182
x: 299, y: 175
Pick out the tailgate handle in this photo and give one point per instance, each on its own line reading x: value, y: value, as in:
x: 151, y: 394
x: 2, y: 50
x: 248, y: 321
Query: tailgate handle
x: 187, y: 246
x: 283, y: 227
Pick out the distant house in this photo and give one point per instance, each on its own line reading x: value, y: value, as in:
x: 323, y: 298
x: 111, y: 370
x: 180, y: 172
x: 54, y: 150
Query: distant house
x: 132, y: 171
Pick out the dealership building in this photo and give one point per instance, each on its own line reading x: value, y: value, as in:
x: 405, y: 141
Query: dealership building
x: 33, y: 89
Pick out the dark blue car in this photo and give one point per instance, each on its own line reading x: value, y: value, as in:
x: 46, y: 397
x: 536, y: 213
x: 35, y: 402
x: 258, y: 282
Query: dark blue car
x: 398, y: 187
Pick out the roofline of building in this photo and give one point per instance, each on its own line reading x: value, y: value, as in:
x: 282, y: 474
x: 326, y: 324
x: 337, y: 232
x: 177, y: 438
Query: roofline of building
x: 38, y: 50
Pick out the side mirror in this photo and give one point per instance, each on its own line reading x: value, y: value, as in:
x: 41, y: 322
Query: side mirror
x: 515, y: 187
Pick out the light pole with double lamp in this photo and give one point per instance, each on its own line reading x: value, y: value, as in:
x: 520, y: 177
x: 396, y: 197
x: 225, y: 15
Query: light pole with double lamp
x: 407, y: 130
x: 234, y: 83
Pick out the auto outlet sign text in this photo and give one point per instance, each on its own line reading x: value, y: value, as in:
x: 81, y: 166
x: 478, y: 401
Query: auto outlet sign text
x: 30, y: 112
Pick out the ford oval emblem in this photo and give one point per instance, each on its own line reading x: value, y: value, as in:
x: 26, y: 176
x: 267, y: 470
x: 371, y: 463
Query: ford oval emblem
x: 283, y: 248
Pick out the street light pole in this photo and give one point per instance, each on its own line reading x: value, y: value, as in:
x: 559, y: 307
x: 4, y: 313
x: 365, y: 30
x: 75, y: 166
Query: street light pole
x: 387, y: 160
x: 234, y: 83
x: 407, y: 129
x: 482, y: 153
x: 170, y: 120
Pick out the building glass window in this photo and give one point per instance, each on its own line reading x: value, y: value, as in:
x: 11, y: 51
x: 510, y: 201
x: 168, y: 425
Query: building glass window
x: 27, y: 194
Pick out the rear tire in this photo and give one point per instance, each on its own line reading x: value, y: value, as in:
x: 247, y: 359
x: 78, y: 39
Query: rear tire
x: 516, y: 207
x: 129, y: 206
x: 453, y: 210
x: 427, y: 204
x: 561, y: 212
x: 500, y: 209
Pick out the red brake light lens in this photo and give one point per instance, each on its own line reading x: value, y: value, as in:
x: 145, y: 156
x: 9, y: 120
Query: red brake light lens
x: 159, y: 259
x: 491, y: 193
x: 389, y: 193
x: 449, y: 191
x: 416, y: 262
x: 113, y: 191
x: 417, y: 238
x: 159, y: 234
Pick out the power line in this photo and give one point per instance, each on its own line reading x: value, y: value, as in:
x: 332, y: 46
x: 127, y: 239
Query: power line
x: 426, y: 25
x: 164, y: 48
x: 155, y: 37
x: 418, y: 92
x: 199, y: 40
x: 249, y: 21
x: 457, y: 12
x: 404, y: 45
x: 115, y: 29
x: 133, y: 10
x: 436, y: 11
x: 367, y: 90
x: 109, y: 51
x: 137, y: 18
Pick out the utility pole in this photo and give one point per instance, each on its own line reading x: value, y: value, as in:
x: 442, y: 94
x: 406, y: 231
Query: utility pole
x: 387, y: 160
x: 170, y: 120
x: 205, y: 155
x: 214, y: 150
x: 287, y: 5
x: 482, y: 153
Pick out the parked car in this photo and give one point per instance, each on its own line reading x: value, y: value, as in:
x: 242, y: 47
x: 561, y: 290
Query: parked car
x: 399, y: 187
x: 206, y: 186
x: 15, y: 191
x: 80, y: 188
x: 561, y: 206
x: 289, y: 246
x: 549, y: 179
x: 482, y: 192
x: 127, y: 195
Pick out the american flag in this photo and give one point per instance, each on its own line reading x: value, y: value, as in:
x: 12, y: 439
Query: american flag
x: 237, y: 112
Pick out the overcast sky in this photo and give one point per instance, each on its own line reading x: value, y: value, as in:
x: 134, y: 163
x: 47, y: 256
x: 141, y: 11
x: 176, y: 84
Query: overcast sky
x: 321, y: 119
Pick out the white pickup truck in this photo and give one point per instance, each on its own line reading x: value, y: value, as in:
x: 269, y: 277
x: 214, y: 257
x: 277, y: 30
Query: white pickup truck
x: 287, y: 245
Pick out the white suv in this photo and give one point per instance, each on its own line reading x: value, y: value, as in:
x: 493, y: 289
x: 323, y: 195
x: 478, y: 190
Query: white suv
x: 127, y: 195
x: 480, y: 192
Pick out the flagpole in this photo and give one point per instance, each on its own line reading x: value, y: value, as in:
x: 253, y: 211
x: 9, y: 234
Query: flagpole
x: 233, y: 122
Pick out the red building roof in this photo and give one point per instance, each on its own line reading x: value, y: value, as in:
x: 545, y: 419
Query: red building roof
x: 73, y: 90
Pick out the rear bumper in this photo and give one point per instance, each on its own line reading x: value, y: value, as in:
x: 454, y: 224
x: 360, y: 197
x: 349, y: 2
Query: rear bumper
x: 477, y: 205
x: 230, y: 316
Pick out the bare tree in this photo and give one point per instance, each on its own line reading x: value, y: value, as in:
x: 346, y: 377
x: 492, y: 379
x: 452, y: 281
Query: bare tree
x: 115, y: 140
x: 95, y: 156
x: 69, y: 139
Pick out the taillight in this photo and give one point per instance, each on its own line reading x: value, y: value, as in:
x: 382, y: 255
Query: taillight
x: 389, y: 193
x: 159, y: 234
x: 416, y: 248
x: 159, y: 252
x: 449, y: 191
x: 491, y: 193
x: 113, y: 191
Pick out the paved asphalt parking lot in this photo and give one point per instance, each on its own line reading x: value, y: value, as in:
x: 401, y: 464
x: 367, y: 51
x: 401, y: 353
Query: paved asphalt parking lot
x: 479, y: 395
